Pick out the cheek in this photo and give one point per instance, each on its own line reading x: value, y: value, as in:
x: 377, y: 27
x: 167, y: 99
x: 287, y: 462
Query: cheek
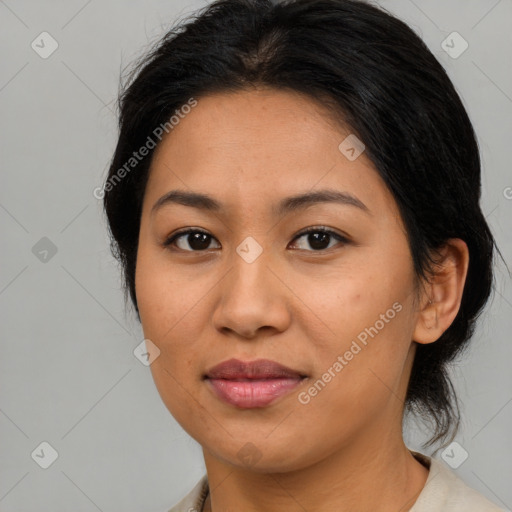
x: 179, y: 392
x: 169, y: 303
x: 169, y: 320
x: 356, y: 382
x: 366, y: 321
x: 351, y: 299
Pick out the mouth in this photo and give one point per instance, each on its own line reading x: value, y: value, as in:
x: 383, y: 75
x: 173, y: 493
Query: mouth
x: 252, y: 384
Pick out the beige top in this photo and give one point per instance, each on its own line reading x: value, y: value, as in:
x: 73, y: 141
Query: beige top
x: 444, y: 491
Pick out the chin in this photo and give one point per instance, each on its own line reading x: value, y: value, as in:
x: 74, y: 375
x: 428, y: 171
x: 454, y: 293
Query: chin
x: 261, y: 455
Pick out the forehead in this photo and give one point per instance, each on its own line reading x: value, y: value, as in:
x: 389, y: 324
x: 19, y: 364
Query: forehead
x: 260, y: 145
x: 255, y: 120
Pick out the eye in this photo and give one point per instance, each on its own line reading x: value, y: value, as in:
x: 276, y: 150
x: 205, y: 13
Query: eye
x: 320, y: 238
x: 196, y: 240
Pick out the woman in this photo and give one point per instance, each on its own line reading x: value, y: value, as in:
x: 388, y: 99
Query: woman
x: 294, y: 199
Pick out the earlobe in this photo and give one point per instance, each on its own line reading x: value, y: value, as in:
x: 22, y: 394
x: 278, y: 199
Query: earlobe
x: 441, y: 300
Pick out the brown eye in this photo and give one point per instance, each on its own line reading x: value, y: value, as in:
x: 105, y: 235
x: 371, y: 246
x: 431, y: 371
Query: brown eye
x: 320, y: 239
x: 190, y: 240
x: 194, y: 240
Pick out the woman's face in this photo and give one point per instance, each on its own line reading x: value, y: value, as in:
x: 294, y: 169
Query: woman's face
x: 336, y: 308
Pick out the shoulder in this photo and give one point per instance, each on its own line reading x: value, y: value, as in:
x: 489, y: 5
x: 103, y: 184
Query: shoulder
x: 445, y: 491
x: 194, y: 500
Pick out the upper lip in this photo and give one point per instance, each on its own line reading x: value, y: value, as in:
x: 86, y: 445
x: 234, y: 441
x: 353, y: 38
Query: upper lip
x: 258, y: 369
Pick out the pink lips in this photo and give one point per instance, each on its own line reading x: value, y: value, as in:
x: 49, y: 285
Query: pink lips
x: 253, y: 383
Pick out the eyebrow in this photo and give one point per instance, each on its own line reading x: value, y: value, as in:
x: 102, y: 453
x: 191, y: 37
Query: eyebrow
x: 285, y: 206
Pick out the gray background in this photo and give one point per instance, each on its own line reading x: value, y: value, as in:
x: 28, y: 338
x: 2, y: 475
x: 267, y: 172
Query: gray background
x: 68, y: 375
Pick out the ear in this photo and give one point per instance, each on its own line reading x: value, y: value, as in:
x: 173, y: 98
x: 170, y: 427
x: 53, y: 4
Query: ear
x: 442, y: 295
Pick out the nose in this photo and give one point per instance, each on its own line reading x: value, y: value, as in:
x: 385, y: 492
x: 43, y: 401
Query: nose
x: 252, y: 299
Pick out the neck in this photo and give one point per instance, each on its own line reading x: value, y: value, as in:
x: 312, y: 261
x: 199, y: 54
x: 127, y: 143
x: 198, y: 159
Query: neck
x: 373, y: 476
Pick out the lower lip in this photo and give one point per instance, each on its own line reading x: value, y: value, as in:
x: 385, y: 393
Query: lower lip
x: 248, y: 394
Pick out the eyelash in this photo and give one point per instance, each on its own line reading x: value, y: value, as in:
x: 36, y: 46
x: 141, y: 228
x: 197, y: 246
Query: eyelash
x: 320, y: 229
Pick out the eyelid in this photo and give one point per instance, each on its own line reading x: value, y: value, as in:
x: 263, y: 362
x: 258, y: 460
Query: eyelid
x: 326, y: 229
x: 169, y: 241
x: 323, y: 229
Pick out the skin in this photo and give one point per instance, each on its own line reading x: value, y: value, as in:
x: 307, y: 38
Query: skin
x: 294, y: 304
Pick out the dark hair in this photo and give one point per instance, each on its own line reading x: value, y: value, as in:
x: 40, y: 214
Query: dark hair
x: 377, y: 76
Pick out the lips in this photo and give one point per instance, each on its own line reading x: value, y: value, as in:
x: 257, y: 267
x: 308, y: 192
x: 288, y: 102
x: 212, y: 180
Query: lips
x: 253, y: 383
x: 258, y: 369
